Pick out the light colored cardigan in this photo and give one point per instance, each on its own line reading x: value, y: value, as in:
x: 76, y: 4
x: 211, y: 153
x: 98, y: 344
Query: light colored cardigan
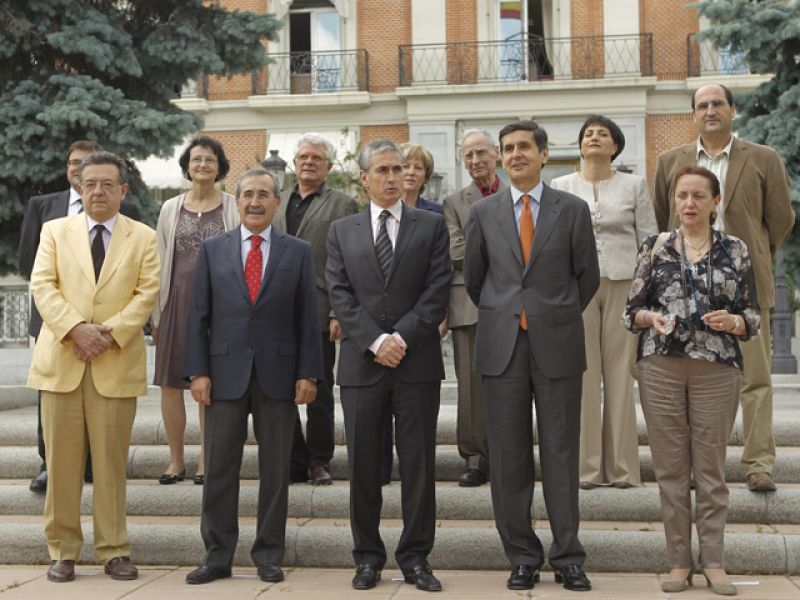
x: 165, y: 237
x: 622, y: 218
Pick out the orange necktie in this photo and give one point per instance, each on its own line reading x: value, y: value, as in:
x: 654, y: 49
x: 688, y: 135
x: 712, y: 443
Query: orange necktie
x: 526, y: 243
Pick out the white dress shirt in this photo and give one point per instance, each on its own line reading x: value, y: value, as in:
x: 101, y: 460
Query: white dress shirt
x: 109, y: 227
x: 536, y: 202
x: 266, y: 235
x: 75, y: 203
x: 718, y: 165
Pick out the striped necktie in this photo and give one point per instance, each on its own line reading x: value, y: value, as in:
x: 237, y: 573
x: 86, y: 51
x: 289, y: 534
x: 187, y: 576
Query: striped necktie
x: 383, y: 246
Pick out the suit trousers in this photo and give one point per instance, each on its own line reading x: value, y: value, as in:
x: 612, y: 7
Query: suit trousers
x: 609, y: 439
x: 316, y: 447
x: 509, y: 406
x: 415, y: 407
x: 73, y: 422
x: 225, y: 436
x: 758, y: 455
x: 471, y: 436
x: 690, y: 406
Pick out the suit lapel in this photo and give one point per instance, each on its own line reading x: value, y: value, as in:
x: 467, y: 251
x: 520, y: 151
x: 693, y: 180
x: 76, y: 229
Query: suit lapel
x: 78, y: 234
x: 549, y: 209
x: 233, y: 249
x: 277, y: 244
x: 316, y: 205
x: 363, y: 234
x: 116, y: 249
x: 504, y: 213
x: 62, y: 201
x: 736, y: 162
x: 408, y: 223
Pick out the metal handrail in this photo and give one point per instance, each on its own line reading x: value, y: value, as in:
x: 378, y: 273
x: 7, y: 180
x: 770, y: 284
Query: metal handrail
x: 704, y: 58
x: 313, y: 72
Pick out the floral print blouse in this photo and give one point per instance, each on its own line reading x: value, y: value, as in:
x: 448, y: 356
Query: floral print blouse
x: 659, y: 284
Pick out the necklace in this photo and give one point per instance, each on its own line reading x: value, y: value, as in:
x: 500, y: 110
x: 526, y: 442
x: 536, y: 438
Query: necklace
x: 697, y: 249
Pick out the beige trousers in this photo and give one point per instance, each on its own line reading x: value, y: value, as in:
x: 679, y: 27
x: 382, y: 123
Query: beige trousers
x: 690, y: 406
x: 471, y: 435
x: 609, y: 440
x: 758, y: 455
x: 73, y: 422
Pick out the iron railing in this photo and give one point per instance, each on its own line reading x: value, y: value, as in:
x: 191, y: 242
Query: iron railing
x: 14, y: 315
x: 703, y: 58
x: 526, y: 58
x: 313, y: 73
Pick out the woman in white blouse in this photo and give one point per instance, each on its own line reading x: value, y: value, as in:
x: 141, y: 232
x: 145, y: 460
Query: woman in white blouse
x: 622, y: 215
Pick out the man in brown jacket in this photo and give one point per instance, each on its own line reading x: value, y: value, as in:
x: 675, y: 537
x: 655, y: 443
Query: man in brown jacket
x: 756, y: 207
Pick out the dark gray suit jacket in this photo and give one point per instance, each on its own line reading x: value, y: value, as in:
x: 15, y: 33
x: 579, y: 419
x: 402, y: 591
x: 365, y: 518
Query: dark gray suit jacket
x: 412, y: 302
x: 278, y: 336
x: 558, y: 282
x: 326, y: 208
x: 39, y: 210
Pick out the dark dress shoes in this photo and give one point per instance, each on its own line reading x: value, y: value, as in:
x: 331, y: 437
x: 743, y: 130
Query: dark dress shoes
x: 206, y: 574
x: 320, y: 476
x: 523, y: 577
x: 472, y: 478
x: 121, y: 568
x: 573, y: 578
x: 169, y: 478
x: 366, y: 577
x: 199, y: 479
x: 39, y: 483
x: 270, y: 573
x: 61, y: 571
x: 423, y: 578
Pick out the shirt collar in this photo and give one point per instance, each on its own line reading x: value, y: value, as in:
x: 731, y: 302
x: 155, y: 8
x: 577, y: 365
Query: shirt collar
x: 535, y: 193
x: 726, y: 151
x: 74, y: 196
x: 488, y: 191
x: 90, y: 222
x: 246, y: 233
x: 396, y: 209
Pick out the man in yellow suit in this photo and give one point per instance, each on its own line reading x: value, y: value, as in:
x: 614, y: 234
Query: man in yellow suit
x: 95, y: 281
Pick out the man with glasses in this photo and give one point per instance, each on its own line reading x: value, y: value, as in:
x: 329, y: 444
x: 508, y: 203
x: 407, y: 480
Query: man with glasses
x: 480, y: 155
x: 756, y: 208
x: 307, y: 212
x: 39, y: 210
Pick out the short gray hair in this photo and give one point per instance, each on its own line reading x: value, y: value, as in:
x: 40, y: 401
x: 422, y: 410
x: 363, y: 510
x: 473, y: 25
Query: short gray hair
x: 316, y: 139
x: 376, y: 147
x: 256, y: 171
x: 105, y: 158
x: 471, y: 132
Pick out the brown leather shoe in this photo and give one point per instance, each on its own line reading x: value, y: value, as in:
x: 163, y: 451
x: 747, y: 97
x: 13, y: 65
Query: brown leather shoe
x: 121, y: 568
x: 61, y: 571
x: 760, y: 482
x: 320, y: 476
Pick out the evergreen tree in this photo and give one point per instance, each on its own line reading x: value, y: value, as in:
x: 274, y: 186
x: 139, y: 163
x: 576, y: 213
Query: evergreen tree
x: 767, y: 33
x: 105, y: 70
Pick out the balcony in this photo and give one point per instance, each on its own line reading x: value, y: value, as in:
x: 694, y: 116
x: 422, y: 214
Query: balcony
x: 703, y: 58
x: 526, y: 58
x: 313, y: 73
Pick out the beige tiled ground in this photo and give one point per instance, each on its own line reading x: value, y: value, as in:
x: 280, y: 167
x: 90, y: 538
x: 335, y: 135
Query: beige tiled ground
x: 159, y: 583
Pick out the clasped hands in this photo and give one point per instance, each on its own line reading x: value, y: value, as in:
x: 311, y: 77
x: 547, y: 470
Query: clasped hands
x: 91, y: 340
x: 390, y: 352
x: 718, y: 320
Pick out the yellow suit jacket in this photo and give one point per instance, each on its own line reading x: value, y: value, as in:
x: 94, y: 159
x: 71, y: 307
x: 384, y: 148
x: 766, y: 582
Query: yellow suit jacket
x: 63, y: 286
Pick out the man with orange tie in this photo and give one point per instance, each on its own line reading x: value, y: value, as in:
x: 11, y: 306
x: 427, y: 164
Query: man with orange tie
x: 530, y: 266
x: 253, y: 348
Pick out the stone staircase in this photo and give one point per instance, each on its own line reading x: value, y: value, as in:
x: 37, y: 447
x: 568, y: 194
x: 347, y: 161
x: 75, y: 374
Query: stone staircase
x: 621, y: 529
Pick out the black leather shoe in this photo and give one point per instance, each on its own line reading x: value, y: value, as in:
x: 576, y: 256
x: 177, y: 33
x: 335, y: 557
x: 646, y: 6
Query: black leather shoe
x: 573, y: 578
x: 423, y: 578
x: 39, y: 483
x: 366, y: 577
x: 206, y: 574
x: 270, y: 573
x: 523, y: 577
x: 170, y: 479
x: 472, y: 478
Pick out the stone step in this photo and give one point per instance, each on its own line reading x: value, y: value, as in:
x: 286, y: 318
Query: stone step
x: 148, y: 462
x: 148, y: 498
x: 610, y: 546
x: 18, y: 426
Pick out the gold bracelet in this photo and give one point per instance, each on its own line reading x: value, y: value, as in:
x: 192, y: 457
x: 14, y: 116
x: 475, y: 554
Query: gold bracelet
x: 735, y: 324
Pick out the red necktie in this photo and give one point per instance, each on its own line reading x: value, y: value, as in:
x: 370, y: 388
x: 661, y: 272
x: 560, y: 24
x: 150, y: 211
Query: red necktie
x: 526, y: 243
x: 252, y: 267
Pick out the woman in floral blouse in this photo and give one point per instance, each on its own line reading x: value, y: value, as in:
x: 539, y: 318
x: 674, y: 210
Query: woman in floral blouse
x: 692, y: 300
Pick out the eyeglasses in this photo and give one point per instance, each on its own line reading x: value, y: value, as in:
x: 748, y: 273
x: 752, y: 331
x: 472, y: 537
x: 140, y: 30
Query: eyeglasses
x: 106, y: 186
x: 74, y: 162
x: 476, y: 154
x: 199, y: 160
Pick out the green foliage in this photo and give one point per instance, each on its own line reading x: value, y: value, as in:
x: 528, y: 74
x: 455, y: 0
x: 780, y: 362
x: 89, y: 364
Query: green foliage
x: 768, y: 33
x: 105, y: 70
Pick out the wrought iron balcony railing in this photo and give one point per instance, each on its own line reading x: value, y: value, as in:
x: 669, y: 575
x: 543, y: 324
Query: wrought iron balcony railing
x: 526, y: 58
x: 14, y: 304
x: 313, y: 73
x: 703, y: 58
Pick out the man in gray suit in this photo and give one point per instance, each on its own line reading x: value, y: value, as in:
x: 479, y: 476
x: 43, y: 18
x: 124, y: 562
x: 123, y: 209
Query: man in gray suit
x: 480, y: 155
x: 530, y: 266
x: 307, y: 212
x: 253, y: 347
x: 388, y: 273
